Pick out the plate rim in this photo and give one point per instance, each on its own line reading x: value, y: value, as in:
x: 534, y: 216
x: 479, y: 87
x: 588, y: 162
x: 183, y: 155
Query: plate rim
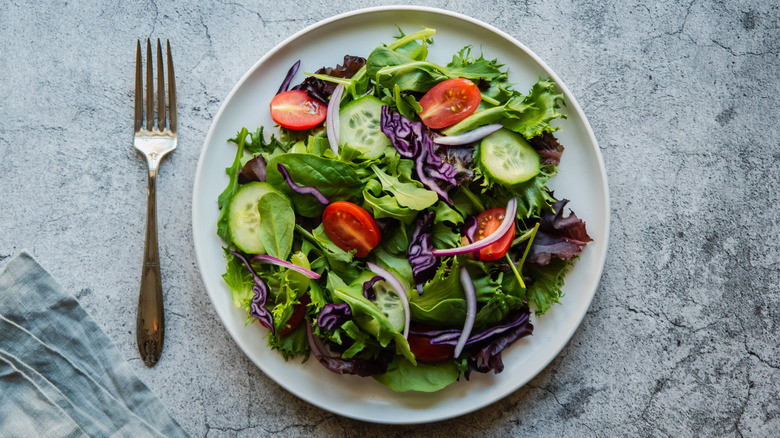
x: 571, y: 103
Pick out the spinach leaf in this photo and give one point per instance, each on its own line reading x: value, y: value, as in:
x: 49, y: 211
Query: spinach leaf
x: 402, y: 376
x: 448, y: 313
x: 277, y: 224
x: 466, y: 66
x: 334, y: 179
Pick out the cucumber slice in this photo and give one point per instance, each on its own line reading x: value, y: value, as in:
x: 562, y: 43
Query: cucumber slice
x: 244, y: 217
x: 507, y: 158
x: 359, y: 126
x: 390, y: 304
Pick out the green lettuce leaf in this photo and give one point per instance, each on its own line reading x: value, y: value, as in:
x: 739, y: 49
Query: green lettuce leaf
x: 403, y: 376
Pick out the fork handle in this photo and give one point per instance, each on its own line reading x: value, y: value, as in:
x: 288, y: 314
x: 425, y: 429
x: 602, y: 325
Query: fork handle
x: 150, y: 323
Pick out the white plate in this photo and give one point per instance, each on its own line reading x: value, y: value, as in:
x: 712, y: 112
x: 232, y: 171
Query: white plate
x: 581, y: 179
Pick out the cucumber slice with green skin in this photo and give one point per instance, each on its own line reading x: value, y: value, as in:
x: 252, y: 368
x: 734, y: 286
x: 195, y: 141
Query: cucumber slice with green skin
x: 390, y: 304
x: 507, y: 158
x: 244, y: 217
x: 359, y: 126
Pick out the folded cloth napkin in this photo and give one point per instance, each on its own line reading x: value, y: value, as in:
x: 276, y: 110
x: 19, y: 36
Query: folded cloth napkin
x: 60, y: 375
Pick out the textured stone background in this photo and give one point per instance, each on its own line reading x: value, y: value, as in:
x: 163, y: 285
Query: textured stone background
x: 682, y: 336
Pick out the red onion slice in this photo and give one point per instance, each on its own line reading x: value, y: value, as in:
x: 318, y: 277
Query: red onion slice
x: 263, y: 258
x: 399, y: 289
x: 332, y: 119
x: 471, y: 310
x: 468, y: 137
x: 506, y: 225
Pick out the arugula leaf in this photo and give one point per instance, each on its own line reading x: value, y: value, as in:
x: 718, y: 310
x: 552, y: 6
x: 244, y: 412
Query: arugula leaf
x: 232, y: 188
x: 339, y: 261
x: 257, y: 143
x: 406, y: 104
x: 385, y: 206
x: 277, y: 224
x: 407, y: 194
x: 466, y: 66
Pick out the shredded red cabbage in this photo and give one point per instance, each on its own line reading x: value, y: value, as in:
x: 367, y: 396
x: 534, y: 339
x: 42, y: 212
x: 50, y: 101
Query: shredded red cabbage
x: 333, y: 315
x: 368, y: 288
x: 424, y: 263
x: 411, y: 140
x: 289, y: 77
x: 257, y: 307
x: 321, y: 90
x: 450, y: 336
x: 399, y: 130
x: 469, y: 228
x: 488, y: 358
x: 304, y: 190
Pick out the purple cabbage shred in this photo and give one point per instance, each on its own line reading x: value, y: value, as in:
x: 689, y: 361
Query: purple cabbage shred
x: 488, y: 344
x: 368, y: 288
x: 333, y: 315
x: 411, y: 140
x: 424, y: 263
x: 257, y: 307
x: 304, y: 190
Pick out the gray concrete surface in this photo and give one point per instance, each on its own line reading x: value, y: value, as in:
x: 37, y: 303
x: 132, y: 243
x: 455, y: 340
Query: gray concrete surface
x: 682, y: 336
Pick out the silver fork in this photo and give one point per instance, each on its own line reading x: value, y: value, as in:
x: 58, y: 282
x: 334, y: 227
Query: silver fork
x: 154, y: 142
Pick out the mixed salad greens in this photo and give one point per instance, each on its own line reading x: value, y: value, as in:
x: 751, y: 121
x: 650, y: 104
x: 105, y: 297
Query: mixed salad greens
x: 400, y: 225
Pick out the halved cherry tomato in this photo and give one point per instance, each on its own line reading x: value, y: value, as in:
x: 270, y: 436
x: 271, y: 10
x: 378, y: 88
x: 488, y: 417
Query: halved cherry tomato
x: 294, y: 109
x: 488, y: 222
x: 449, y: 102
x: 299, y: 311
x: 351, y: 227
x: 424, y: 351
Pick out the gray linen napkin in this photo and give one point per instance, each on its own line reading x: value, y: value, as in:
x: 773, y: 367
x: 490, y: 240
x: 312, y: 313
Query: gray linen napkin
x: 60, y: 375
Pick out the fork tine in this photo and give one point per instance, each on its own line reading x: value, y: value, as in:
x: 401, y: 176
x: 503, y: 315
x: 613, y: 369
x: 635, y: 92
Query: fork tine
x: 171, y: 91
x: 139, y: 89
x: 149, y: 87
x: 160, y: 90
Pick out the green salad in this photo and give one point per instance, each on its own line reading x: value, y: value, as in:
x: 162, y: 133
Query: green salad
x: 398, y: 225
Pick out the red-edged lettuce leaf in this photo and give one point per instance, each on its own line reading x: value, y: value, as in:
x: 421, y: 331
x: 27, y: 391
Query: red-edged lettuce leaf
x: 548, y: 148
x: 561, y: 237
x: 321, y: 90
